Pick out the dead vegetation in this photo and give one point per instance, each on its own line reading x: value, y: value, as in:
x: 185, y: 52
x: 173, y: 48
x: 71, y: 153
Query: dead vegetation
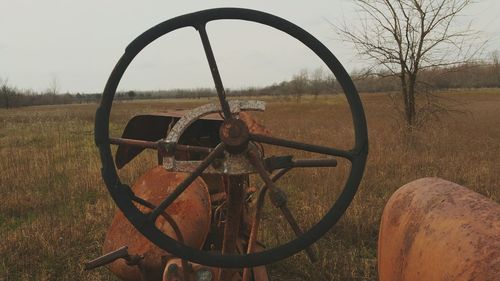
x: 55, y: 209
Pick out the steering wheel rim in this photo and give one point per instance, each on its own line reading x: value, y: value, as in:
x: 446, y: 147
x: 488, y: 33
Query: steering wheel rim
x: 122, y: 195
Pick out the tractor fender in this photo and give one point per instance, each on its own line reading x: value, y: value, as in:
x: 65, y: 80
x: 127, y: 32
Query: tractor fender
x: 432, y: 229
x: 191, y: 212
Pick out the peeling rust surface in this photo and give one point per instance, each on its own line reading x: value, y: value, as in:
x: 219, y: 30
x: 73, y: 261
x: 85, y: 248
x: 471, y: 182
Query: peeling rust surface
x: 432, y: 229
x: 191, y: 211
x: 231, y: 164
x: 193, y: 115
x: 253, y: 124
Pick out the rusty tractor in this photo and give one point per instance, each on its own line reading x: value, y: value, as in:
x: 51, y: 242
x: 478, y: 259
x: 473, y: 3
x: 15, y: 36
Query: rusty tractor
x: 195, y: 216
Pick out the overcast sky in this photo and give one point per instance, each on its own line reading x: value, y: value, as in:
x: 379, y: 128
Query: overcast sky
x: 77, y: 43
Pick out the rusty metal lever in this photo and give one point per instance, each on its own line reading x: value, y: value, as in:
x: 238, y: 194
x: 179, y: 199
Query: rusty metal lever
x: 121, y: 253
x: 158, y: 145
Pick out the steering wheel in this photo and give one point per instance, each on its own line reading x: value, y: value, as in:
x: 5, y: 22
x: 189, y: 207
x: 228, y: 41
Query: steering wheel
x: 236, y: 144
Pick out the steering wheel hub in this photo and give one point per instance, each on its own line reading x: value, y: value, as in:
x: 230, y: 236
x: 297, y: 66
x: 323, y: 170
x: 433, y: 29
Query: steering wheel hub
x: 235, y: 135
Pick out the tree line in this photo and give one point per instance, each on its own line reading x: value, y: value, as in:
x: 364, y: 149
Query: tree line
x: 463, y: 76
x: 315, y: 83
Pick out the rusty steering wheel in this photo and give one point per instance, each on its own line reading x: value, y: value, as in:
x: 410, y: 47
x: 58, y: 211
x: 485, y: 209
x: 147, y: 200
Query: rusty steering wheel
x: 235, y: 143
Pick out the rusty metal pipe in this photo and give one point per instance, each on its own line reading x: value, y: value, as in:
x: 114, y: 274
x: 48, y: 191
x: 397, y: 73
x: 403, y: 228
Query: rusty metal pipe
x: 156, y: 144
x: 235, y: 200
x: 132, y: 142
x: 432, y: 229
x: 256, y: 219
x: 120, y: 253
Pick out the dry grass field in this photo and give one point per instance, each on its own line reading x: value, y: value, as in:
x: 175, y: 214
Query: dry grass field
x: 54, y: 208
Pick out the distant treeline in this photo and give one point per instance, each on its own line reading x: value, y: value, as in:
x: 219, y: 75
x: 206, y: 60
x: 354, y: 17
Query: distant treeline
x: 464, y: 76
x: 471, y: 75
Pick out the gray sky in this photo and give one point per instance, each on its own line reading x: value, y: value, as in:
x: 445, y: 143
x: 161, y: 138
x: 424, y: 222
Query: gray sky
x: 77, y: 43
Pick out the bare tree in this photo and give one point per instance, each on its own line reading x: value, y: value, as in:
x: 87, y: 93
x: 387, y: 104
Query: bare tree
x: 404, y: 37
x: 317, y: 79
x: 495, y: 57
x: 53, y: 88
x: 299, y: 84
x: 7, y: 94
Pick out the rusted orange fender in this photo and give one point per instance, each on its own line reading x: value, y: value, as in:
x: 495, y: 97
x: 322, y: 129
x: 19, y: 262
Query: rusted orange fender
x: 191, y: 211
x: 433, y: 229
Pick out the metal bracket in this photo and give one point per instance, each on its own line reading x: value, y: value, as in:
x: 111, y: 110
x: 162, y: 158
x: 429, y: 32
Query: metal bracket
x: 230, y: 164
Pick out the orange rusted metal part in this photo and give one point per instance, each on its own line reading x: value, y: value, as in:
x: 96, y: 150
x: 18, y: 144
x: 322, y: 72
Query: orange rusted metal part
x: 191, y: 212
x: 253, y: 124
x: 433, y: 229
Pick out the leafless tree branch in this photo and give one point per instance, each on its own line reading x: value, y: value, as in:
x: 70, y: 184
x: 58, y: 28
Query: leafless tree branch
x: 403, y: 37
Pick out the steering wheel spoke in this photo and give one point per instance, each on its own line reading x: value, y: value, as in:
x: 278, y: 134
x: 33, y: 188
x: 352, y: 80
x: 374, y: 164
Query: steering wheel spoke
x: 215, y: 71
x: 303, y: 146
x: 218, y: 150
x: 310, y: 251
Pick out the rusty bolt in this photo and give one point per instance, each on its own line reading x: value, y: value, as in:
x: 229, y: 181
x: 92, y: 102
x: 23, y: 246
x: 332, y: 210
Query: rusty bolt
x: 234, y: 131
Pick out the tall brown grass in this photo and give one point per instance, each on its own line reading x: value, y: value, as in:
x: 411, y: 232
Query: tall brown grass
x: 54, y: 209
